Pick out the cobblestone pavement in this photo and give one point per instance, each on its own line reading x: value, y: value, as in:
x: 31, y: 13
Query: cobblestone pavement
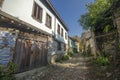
x: 74, y: 69
x: 77, y: 68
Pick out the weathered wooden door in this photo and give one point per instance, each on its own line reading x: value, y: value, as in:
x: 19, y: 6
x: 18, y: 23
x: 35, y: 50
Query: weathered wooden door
x: 30, y: 54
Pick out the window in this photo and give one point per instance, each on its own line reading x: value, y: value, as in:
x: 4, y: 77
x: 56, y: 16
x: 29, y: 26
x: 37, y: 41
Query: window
x: 65, y: 35
x: 59, y: 46
x: 48, y: 20
x: 58, y: 29
x: 37, y: 12
x: 1, y: 2
x: 61, y: 32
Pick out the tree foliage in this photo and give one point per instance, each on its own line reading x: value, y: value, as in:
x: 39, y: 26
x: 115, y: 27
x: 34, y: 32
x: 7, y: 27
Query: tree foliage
x: 96, y: 14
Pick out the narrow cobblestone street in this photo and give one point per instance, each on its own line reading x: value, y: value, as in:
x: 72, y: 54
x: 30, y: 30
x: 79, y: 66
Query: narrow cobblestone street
x: 74, y: 69
x: 60, y: 40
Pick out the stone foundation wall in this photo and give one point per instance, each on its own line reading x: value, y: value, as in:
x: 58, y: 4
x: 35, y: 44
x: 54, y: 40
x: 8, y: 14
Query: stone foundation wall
x: 53, y: 52
x: 7, y: 44
x: 27, y: 50
x: 117, y: 19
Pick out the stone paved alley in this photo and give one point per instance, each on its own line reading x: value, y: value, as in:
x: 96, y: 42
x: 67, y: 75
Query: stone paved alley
x: 73, y: 69
x: 77, y: 68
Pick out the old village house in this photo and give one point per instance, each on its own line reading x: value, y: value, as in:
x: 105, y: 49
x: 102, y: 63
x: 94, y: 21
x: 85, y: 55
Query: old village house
x: 32, y: 34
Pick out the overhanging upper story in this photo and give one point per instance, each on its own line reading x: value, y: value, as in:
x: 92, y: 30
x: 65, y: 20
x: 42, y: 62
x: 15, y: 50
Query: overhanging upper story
x: 39, y: 13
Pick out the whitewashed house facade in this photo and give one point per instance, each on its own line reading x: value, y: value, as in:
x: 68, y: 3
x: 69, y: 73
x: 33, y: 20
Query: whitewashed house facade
x: 38, y: 20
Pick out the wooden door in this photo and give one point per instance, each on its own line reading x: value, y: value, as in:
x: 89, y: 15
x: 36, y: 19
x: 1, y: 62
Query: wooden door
x: 29, y: 56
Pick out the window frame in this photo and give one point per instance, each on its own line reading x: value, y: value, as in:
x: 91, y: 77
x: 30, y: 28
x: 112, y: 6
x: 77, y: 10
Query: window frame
x: 62, y: 32
x: 37, y: 13
x: 48, y: 22
x: 58, y: 29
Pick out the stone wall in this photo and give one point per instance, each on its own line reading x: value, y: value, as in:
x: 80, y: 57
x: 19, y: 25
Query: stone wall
x: 7, y: 44
x: 53, y: 52
x: 106, y: 44
x: 27, y: 50
x: 117, y: 19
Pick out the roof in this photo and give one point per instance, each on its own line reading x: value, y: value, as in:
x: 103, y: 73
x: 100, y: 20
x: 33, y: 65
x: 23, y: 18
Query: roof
x: 57, y: 14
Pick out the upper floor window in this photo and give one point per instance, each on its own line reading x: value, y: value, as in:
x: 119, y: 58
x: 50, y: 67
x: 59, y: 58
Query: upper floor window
x: 1, y: 2
x: 62, y: 32
x: 37, y: 12
x: 58, y: 29
x: 66, y: 35
x: 48, y: 20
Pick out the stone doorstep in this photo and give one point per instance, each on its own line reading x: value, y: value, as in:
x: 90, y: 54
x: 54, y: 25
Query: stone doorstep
x: 26, y: 74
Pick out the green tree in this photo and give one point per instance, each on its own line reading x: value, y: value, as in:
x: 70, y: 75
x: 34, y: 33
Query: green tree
x: 96, y: 14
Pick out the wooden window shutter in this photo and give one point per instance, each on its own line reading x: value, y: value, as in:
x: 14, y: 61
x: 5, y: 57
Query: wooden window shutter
x: 62, y: 32
x: 37, y: 12
x: 58, y: 29
x: 48, y: 20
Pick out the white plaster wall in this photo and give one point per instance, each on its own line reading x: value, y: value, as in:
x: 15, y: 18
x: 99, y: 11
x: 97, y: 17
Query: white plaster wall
x: 22, y: 9
x: 70, y: 43
x: 59, y: 37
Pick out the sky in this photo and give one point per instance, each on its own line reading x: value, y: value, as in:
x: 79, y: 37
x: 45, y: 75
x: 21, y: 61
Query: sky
x: 70, y: 11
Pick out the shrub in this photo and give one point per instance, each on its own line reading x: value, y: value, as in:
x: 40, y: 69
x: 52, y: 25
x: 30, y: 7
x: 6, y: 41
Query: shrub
x: 101, y: 60
x: 66, y: 57
x: 59, y: 59
x: 7, y: 73
x: 70, y: 53
x: 86, y: 54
